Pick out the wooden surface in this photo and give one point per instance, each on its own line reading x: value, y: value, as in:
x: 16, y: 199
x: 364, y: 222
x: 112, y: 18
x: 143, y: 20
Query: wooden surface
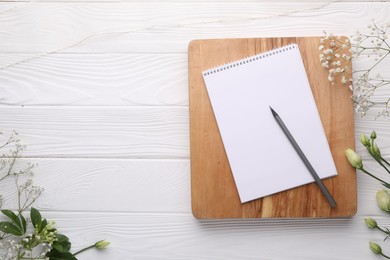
x: 213, y: 190
x: 99, y: 92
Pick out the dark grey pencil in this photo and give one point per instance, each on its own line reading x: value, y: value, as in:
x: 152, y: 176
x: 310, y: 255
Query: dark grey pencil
x: 304, y: 159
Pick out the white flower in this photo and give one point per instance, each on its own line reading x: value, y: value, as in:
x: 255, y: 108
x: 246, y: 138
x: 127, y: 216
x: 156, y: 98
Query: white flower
x: 343, y: 79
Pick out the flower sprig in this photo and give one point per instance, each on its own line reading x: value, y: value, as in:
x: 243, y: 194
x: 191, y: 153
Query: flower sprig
x: 382, y: 196
x: 35, y: 238
x: 335, y: 58
x: 364, y: 82
x: 356, y: 161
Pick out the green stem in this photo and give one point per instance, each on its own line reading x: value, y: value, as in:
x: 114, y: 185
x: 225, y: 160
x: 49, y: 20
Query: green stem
x: 384, y: 160
x: 378, y: 159
x: 82, y: 250
x: 373, y: 176
x: 385, y: 256
x: 384, y: 231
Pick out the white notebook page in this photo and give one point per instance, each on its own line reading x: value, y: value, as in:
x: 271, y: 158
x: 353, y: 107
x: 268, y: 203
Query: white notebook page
x: 262, y: 159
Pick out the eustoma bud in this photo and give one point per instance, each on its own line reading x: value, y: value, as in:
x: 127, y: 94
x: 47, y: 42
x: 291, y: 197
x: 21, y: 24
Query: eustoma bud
x: 375, y: 150
x: 354, y: 159
x: 370, y: 222
x: 364, y: 140
x: 101, y: 244
x: 383, y: 200
x: 373, y: 135
x: 375, y: 248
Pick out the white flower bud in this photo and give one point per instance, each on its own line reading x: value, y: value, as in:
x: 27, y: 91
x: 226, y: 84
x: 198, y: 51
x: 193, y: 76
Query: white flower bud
x: 364, y: 140
x: 354, y: 159
x: 375, y: 248
x: 370, y: 222
x: 383, y: 200
x: 101, y: 244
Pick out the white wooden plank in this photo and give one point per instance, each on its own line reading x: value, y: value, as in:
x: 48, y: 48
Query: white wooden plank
x: 144, y: 186
x: 116, y: 185
x: 168, y: 27
x: 112, y: 79
x: 88, y: 131
x: 117, y: 132
x: 108, y: 185
x: 88, y: 79
x: 180, y: 236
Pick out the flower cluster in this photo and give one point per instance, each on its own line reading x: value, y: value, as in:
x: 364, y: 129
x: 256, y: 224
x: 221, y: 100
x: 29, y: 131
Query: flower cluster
x: 28, y: 194
x: 336, y: 56
x: 382, y: 196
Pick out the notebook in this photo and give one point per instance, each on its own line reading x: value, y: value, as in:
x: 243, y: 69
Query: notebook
x: 262, y: 160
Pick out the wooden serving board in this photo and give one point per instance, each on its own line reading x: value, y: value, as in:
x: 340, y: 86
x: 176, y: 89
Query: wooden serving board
x: 214, y: 193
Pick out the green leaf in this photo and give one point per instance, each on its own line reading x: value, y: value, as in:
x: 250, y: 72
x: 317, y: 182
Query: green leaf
x: 9, y: 228
x: 58, y: 247
x: 36, y: 218
x: 13, y: 217
x: 24, y: 223
x: 60, y: 256
x: 62, y: 244
x: 62, y: 238
x: 66, y: 246
x: 42, y: 226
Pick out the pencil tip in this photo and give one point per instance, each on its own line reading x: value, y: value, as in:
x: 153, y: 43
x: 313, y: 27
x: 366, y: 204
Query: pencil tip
x: 273, y: 111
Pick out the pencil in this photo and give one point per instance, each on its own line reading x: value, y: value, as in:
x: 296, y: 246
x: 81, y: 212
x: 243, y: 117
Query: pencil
x: 304, y: 159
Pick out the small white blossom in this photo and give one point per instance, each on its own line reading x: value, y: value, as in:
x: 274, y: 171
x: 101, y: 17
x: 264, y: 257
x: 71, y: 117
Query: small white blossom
x: 336, y: 56
x: 343, y: 80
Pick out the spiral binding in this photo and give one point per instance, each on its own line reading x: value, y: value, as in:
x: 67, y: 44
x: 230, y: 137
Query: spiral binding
x: 250, y: 59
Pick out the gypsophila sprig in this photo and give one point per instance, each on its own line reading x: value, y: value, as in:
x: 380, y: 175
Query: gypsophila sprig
x: 383, y: 195
x: 334, y: 57
x: 373, y: 44
x: 34, y: 238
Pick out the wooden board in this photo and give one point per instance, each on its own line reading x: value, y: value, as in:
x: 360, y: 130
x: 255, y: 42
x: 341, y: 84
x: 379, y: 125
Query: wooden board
x: 214, y: 194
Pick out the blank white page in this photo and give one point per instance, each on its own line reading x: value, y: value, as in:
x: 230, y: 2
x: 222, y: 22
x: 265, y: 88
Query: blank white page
x: 261, y: 157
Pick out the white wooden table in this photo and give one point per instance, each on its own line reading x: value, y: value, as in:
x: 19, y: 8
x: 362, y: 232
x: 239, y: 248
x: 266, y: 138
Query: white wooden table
x: 98, y: 91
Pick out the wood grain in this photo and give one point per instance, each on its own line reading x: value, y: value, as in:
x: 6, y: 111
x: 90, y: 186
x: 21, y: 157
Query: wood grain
x: 109, y: 185
x: 134, y: 186
x: 111, y: 80
x: 96, y: 79
x: 117, y: 132
x: 180, y: 236
x: 135, y: 27
x: 214, y: 194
